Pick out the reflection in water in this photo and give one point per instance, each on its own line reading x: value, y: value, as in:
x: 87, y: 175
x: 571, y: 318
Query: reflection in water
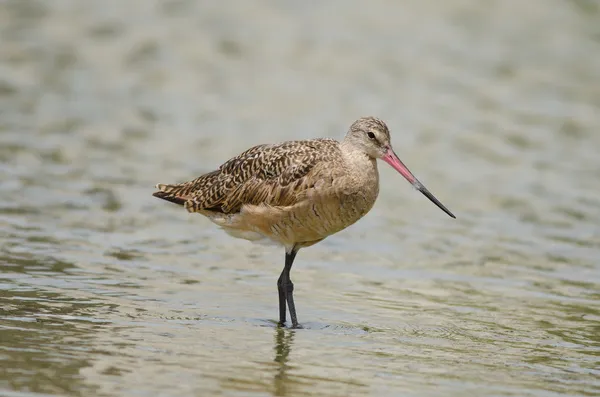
x: 283, y: 346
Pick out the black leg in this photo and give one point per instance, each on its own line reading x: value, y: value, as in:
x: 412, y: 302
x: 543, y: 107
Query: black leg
x: 286, y: 290
x: 282, y: 307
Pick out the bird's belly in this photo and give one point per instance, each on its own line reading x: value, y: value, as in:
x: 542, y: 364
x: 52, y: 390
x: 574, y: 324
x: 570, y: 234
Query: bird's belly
x: 315, y: 220
x: 309, y: 221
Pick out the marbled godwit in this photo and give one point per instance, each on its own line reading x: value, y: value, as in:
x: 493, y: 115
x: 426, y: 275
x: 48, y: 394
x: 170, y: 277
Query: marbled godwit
x: 295, y: 193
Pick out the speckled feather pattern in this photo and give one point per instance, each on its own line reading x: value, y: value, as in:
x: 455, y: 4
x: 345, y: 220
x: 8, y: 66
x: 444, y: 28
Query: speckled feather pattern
x: 264, y: 174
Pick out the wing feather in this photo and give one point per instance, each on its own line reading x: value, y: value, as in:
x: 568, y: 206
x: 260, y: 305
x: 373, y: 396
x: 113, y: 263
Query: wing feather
x: 274, y: 175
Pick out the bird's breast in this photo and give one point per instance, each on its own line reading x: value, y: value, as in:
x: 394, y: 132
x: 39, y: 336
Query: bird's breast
x: 336, y: 199
x: 333, y: 209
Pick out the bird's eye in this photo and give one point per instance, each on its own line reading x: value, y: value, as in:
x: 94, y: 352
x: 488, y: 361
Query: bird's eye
x: 371, y: 135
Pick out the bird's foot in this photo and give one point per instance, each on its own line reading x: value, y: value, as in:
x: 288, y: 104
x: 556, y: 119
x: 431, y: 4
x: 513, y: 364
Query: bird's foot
x: 293, y: 326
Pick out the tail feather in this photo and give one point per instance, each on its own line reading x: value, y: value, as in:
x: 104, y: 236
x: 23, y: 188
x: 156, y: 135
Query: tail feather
x: 169, y: 193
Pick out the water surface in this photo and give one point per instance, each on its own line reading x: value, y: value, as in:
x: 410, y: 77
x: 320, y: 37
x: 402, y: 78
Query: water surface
x: 107, y: 291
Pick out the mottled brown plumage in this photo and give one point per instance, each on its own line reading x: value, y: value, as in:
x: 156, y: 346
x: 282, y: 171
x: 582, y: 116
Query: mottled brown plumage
x: 294, y: 193
x: 265, y: 174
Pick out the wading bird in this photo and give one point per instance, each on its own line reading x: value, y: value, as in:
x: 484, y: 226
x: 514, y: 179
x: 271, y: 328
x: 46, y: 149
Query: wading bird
x: 295, y: 193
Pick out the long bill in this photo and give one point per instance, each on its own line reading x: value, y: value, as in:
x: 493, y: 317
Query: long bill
x: 392, y: 159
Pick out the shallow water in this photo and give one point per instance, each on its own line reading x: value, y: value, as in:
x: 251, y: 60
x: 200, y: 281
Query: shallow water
x: 107, y: 291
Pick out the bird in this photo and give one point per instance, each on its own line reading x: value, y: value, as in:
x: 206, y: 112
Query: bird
x: 295, y: 193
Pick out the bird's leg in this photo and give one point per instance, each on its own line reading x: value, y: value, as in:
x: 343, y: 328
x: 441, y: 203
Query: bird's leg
x: 286, y: 290
x: 282, y: 306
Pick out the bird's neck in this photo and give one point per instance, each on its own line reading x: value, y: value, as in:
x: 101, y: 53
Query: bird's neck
x: 359, y: 163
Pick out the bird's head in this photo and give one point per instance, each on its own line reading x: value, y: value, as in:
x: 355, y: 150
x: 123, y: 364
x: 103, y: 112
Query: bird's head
x: 372, y: 137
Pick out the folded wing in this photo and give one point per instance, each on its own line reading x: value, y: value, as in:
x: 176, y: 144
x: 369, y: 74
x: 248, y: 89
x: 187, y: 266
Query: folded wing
x: 275, y: 175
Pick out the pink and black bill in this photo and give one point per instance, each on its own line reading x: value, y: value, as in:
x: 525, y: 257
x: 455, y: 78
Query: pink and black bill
x: 392, y: 159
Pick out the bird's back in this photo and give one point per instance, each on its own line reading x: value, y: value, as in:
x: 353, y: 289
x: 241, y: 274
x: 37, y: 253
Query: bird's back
x: 274, y: 175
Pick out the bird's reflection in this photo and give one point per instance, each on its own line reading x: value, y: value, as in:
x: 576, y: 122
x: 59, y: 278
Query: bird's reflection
x: 283, y: 346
